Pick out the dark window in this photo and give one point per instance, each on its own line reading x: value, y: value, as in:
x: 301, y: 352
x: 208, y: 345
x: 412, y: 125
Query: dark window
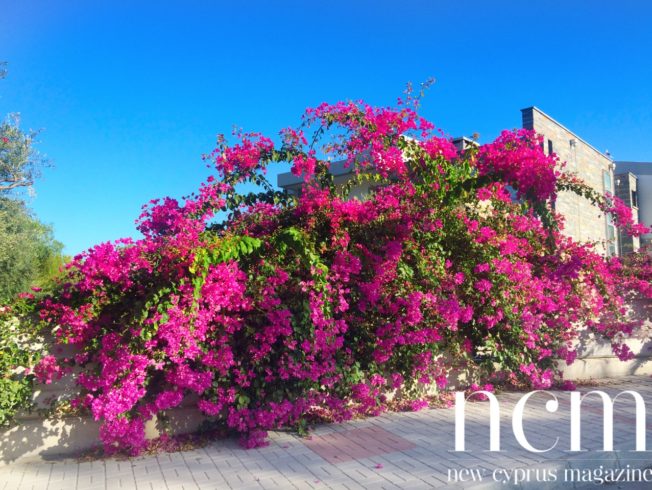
x: 550, y: 149
x: 634, y: 199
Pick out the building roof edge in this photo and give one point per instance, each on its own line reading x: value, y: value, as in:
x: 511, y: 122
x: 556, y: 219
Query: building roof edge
x: 535, y: 108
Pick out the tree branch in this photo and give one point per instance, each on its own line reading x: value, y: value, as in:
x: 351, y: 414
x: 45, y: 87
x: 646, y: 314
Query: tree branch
x: 13, y: 185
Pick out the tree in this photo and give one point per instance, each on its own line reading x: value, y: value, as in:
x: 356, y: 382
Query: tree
x: 29, y: 255
x: 28, y: 252
x: 20, y: 162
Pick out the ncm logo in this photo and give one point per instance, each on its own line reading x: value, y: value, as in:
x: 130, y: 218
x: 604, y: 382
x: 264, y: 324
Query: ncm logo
x: 551, y: 406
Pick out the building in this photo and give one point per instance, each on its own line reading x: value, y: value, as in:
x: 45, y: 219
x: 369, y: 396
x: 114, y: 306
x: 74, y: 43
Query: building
x: 627, y: 190
x: 583, y: 221
x: 342, y: 173
x: 639, y: 195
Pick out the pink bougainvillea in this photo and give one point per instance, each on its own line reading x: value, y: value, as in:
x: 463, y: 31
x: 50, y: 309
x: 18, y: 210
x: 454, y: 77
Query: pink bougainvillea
x: 299, y: 306
x: 47, y: 370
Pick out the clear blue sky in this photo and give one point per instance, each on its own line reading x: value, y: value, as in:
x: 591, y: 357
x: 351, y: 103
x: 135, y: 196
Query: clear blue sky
x: 129, y: 97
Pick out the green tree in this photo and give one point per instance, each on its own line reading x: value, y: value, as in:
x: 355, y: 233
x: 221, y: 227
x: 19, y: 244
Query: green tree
x: 29, y: 255
x: 20, y: 162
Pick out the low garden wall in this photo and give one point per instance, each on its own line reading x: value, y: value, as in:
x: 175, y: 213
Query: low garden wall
x: 596, y: 360
x: 39, y: 437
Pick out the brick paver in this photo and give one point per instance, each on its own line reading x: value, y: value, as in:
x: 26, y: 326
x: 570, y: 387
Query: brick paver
x: 393, y: 451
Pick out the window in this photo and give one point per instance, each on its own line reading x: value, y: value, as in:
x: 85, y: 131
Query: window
x: 550, y: 148
x: 609, y: 222
x: 634, y: 199
x: 608, y: 185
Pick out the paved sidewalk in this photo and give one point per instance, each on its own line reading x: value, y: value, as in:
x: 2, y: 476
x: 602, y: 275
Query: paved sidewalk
x: 397, y: 450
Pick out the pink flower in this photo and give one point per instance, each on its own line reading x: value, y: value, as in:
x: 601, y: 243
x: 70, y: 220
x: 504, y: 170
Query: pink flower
x: 568, y: 385
x: 483, y: 286
x: 517, y: 158
x: 47, y: 369
x: 417, y: 405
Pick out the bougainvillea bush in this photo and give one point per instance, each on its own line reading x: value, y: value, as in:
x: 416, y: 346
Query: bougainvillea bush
x: 294, y: 307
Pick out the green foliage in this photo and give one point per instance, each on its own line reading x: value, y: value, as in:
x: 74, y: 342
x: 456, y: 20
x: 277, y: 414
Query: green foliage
x: 231, y: 248
x: 19, y: 350
x: 29, y: 255
x: 20, y: 162
x: 14, y: 395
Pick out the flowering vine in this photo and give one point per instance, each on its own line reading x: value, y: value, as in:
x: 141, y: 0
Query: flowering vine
x: 296, y: 306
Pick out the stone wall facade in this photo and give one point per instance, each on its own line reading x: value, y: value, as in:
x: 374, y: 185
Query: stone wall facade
x: 583, y: 221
